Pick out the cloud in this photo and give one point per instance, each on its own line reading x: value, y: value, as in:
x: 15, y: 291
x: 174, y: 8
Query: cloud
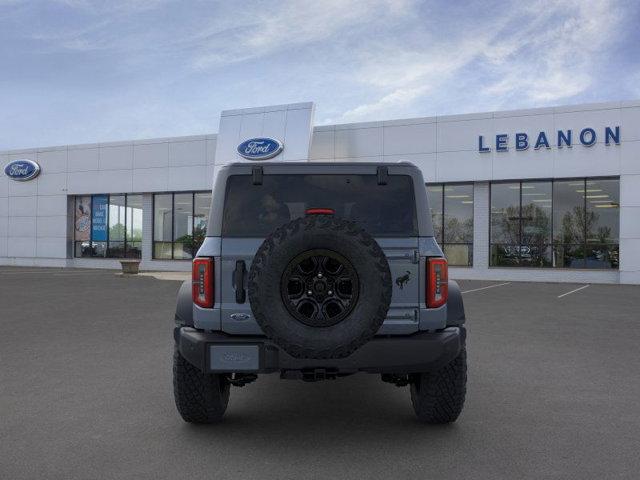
x: 397, y: 98
x: 407, y: 76
x: 261, y: 32
x: 542, y: 53
x: 124, y: 69
x: 555, y: 63
x: 121, y: 6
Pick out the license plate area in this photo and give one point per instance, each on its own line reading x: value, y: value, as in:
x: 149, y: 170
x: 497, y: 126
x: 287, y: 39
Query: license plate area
x: 234, y: 358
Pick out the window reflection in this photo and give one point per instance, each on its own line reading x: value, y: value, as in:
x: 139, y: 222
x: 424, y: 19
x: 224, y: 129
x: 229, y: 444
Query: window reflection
x: 108, y: 226
x: 505, y: 224
x: 117, y: 218
x: 603, y: 211
x: 451, y: 208
x: 569, y: 223
x: 201, y: 206
x: 536, y: 201
x: 183, y: 225
x: 162, y: 225
x: 603, y: 223
x: 434, y: 193
x: 134, y: 226
x: 565, y: 223
x: 180, y: 223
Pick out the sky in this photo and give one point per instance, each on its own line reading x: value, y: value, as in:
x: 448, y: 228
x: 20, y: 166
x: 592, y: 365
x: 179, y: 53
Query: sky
x: 77, y: 71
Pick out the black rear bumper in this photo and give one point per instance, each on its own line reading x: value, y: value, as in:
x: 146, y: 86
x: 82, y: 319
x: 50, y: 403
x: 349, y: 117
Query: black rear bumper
x: 420, y: 352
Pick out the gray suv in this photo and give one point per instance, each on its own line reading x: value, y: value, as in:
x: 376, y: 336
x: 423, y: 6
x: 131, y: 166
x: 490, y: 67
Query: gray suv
x: 317, y: 271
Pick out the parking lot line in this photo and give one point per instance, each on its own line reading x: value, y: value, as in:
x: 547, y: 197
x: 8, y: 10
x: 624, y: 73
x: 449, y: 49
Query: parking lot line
x: 484, y: 288
x: 573, y: 291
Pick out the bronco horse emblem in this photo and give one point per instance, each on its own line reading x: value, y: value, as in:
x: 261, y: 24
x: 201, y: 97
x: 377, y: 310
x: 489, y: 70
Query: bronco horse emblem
x: 401, y: 281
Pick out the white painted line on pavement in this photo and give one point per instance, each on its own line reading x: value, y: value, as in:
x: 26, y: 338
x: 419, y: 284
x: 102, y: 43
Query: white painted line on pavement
x: 573, y: 291
x: 484, y: 288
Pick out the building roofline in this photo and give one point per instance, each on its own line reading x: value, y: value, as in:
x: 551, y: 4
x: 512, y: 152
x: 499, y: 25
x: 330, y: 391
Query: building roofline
x: 569, y: 108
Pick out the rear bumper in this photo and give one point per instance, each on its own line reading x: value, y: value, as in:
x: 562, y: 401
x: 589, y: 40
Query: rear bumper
x: 218, y: 352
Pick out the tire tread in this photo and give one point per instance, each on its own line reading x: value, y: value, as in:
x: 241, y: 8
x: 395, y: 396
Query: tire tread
x: 438, y: 397
x: 199, y: 397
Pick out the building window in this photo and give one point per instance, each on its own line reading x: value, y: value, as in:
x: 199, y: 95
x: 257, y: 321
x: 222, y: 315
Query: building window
x: 565, y: 224
x: 108, y: 226
x: 451, y: 208
x: 586, y: 223
x: 179, y: 224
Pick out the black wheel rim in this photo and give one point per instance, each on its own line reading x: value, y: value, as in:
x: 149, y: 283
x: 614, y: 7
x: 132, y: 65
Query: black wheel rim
x: 319, y: 288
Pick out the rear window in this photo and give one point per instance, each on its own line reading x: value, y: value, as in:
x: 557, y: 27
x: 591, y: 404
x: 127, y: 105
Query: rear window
x: 256, y: 210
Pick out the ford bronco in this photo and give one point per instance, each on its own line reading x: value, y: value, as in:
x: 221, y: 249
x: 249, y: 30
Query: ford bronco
x: 317, y: 271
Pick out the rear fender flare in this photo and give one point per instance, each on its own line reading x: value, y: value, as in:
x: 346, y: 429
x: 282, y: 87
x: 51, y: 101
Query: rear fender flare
x: 184, y: 306
x: 455, y: 307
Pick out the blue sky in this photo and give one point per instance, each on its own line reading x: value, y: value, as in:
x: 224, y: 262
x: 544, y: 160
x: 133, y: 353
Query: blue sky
x: 76, y: 71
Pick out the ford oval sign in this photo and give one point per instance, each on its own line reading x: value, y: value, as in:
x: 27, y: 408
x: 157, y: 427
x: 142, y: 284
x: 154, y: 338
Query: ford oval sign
x: 260, y: 148
x: 22, y: 170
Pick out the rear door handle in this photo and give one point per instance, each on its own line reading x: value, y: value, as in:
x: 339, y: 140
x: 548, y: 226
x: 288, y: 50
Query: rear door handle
x: 238, y: 281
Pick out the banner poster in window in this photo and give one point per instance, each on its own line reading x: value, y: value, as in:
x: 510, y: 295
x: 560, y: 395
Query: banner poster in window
x: 99, y: 218
x: 83, y: 219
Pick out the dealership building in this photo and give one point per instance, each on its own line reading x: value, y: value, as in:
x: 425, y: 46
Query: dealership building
x: 548, y: 194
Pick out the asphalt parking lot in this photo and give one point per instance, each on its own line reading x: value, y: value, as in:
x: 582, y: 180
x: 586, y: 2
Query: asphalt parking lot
x: 85, y: 392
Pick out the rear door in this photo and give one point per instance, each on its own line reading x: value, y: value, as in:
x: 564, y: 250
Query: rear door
x: 252, y: 211
x: 403, y: 258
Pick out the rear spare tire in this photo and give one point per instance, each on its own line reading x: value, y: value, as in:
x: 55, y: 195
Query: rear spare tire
x: 320, y: 287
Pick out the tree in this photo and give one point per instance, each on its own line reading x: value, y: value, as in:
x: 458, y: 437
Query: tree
x: 116, y: 232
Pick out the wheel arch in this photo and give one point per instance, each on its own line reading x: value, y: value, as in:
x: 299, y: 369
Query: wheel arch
x: 184, y: 306
x: 455, y: 306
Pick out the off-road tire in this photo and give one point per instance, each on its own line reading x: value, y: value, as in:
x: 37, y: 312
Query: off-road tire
x: 200, y: 397
x: 348, y: 240
x: 438, y: 397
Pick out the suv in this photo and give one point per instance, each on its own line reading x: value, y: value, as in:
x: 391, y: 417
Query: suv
x: 317, y: 271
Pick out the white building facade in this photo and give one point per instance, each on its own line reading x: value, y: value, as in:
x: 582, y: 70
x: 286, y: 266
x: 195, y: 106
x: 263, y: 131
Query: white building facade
x: 550, y: 194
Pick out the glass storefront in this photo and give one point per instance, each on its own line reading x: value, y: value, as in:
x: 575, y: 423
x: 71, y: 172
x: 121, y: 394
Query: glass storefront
x: 179, y: 224
x: 533, y: 223
x: 108, y: 226
x: 451, y: 208
x: 562, y: 223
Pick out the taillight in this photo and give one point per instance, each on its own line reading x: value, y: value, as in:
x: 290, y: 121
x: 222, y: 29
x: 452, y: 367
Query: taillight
x: 202, y: 282
x: 437, y: 282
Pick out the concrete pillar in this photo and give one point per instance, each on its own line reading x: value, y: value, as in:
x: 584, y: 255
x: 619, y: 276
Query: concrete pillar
x: 481, y: 212
x: 147, y: 227
x: 629, y: 229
